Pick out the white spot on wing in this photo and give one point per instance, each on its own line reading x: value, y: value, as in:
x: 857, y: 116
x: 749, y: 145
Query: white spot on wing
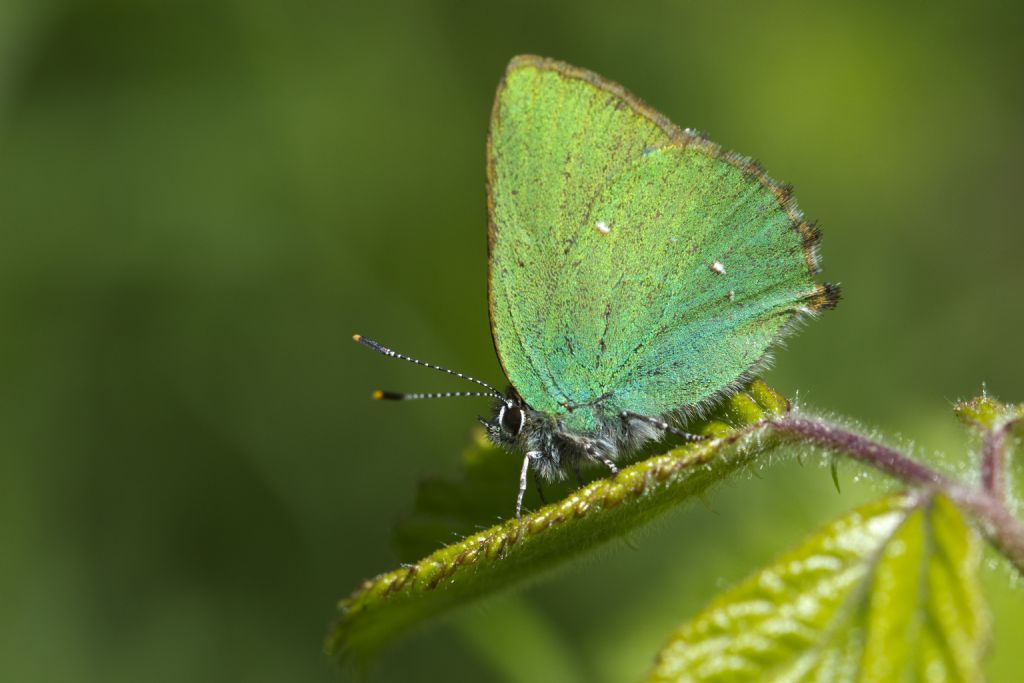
x: 718, y: 267
x: 732, y: 295
x: 603, y: 228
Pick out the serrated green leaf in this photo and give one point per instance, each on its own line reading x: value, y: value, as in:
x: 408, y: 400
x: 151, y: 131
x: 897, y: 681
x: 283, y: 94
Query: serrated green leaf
x: 517, y: 550
x: 454, y: 508
x: 888, y: 592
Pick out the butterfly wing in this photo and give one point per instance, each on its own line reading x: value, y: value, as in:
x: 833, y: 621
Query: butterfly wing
x: 633, y: 265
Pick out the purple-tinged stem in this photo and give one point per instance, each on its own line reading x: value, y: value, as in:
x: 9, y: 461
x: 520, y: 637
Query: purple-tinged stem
x: 993, y: 456
x: 862, y: 449
x: 1004, y: 530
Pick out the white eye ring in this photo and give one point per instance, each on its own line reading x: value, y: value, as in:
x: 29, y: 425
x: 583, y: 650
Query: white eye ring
x: 517, y: 423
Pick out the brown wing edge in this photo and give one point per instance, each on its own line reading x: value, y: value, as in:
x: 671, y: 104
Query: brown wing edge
x: 826, y: 295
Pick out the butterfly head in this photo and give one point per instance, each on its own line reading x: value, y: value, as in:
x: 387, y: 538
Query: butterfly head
x: 511, y: 417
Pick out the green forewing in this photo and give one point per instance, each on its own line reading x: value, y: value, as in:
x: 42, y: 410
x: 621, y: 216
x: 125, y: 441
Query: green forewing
x: 610, y: 230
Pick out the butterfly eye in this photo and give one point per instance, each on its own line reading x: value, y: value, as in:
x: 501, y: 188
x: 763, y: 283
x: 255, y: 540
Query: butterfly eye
x: 511, y: 419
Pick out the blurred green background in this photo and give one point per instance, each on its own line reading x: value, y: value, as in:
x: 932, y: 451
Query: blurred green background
x: 202, y: 201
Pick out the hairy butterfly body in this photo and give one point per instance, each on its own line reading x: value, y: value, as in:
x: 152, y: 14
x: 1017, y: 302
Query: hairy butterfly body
x: 638, y: 271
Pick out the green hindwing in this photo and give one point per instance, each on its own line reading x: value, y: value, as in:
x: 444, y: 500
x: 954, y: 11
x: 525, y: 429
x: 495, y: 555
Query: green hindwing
x: 629, y: 259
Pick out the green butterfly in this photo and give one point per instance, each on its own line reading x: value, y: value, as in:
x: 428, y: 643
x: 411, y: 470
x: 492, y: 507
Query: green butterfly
x: 639, y: 273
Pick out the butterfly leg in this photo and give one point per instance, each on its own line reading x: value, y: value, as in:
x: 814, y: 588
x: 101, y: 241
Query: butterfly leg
x: 576, y: 471
x: 530, y: 455
x: 594, y: 455
x: 662, y: 425
x: 540, y: 490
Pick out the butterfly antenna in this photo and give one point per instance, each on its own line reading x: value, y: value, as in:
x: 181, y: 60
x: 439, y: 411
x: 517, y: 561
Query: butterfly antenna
x: 401, y: 396
x: 393, y: 396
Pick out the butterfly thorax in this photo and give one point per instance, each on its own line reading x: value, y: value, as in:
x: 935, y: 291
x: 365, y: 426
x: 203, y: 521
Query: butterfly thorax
x: 563, y: 442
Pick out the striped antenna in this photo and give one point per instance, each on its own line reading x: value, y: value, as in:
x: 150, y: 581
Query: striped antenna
x: 397, y: 396
x: 392, y: 396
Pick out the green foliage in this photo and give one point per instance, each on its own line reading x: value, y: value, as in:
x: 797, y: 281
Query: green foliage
x: 519, y: 549
x: 445, y: 509
x: 198, y: 198
x: 888, y: 592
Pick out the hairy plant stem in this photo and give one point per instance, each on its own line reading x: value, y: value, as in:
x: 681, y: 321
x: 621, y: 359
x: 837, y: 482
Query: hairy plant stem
x: 1003, y: 530
x: 993, y: 456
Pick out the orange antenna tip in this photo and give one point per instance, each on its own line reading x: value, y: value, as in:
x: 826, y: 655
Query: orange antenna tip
x: 357, y: 337
x: 378, y: 395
